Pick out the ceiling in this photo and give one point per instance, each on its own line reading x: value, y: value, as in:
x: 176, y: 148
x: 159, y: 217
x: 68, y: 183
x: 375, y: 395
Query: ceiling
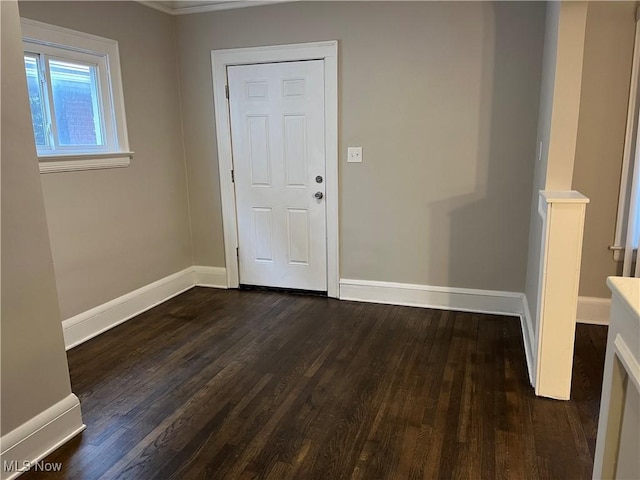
x: 184, y: 7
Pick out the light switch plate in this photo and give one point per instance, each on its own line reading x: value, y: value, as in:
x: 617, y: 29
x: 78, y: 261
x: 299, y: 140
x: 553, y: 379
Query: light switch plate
x: 354, y: 154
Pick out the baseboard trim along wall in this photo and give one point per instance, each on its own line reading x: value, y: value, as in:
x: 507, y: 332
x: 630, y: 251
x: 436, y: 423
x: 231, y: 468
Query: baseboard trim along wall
x: 86, y: 325
x: 593, y: 310
x: 91, y: 323
x: 29, y: 443
x: 214, y: 277
x: 461, y: 299
x: 449, y: 298
x: 528, y: 338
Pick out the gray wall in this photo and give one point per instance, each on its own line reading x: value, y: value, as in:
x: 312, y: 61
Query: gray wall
x: 532, y: 285
x: 34, y: 371
x: 113, y: 231
x: 608, y: 56
x: 443, y: 97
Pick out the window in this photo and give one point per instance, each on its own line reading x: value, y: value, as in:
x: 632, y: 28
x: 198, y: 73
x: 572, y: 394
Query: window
x: 75, y: 95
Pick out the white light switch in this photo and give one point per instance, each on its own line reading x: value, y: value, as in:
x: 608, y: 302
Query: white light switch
x: 354, y: 154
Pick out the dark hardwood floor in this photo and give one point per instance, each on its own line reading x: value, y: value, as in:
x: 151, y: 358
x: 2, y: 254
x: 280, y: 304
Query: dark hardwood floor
x: 218, y: 384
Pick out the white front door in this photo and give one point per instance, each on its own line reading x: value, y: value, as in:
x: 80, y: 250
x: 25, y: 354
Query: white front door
x: 277, y: 132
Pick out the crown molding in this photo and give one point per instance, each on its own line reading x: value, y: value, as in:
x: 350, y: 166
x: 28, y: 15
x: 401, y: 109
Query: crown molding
x: 156, y: 6
x: 214, y: 7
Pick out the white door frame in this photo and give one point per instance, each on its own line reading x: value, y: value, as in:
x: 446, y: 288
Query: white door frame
x: 220, y: 60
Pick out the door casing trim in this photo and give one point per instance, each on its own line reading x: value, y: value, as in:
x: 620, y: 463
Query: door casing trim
x: 220, y: 60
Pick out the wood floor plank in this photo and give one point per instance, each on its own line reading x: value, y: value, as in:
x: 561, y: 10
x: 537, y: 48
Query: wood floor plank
x: 218, y: 384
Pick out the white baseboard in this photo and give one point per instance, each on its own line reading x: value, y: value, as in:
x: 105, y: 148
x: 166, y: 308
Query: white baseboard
x: 593, y: 310
x: 93, y: 322
x: 461, y: 299
x: 215, y: 277
x: 86, y: 325
x: 528, y: 338
x: 35, y: 439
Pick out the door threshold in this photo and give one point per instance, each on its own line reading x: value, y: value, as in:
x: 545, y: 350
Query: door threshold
x: 294, y: 291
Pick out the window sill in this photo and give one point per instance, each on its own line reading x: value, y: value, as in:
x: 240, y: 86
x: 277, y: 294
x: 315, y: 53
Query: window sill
x: 93, y: 161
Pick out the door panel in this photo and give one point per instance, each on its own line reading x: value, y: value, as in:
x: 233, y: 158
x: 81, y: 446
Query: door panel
x: 263, y: 234
x: 277, y: 130
x: 298, y: 229
x: 295, y: 155
x: 259, y: 161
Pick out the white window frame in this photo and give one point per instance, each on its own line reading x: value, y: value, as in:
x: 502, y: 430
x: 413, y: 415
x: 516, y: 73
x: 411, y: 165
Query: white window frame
x: 42, y: 39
